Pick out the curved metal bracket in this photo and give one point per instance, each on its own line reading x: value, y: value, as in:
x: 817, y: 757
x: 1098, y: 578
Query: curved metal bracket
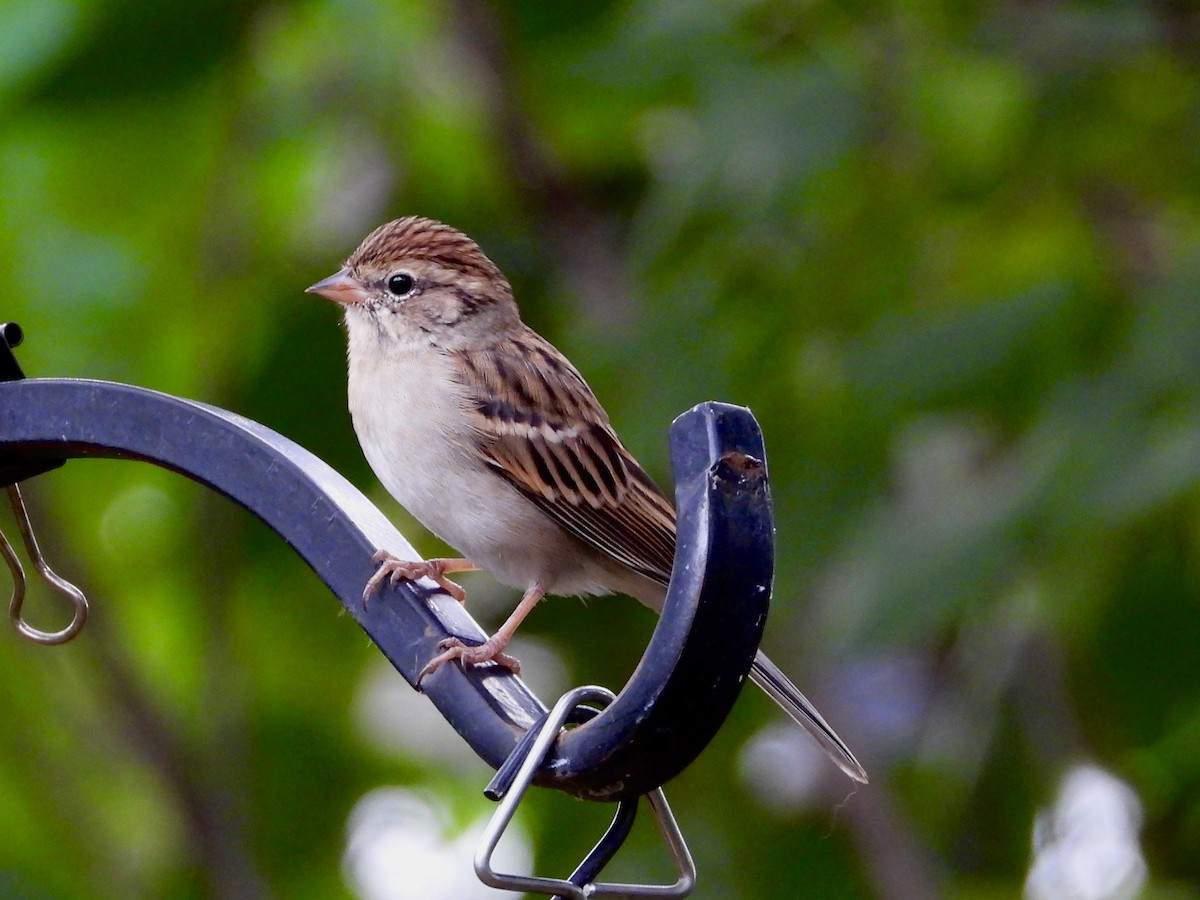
x: 677, y: 697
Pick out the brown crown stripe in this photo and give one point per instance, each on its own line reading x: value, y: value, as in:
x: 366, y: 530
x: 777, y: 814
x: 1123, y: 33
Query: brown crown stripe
x: 415, y: 237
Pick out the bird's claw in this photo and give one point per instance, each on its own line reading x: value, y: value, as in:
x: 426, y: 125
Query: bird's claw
x: 395, y: 570
x: 491, y: 650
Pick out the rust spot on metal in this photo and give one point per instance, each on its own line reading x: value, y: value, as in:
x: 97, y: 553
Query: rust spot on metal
x: 743, y: 464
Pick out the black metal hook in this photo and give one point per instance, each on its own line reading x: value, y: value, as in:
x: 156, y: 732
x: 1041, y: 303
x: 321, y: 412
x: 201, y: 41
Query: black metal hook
x: 11, y: 335
x: 676, y: 699
x: 13, y: 469
x: 606, y: 848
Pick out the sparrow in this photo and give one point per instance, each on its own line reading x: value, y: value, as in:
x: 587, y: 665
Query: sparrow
x: 493, y: 441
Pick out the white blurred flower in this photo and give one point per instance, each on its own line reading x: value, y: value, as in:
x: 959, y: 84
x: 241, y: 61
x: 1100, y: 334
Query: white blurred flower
x: 402, y: 846
x: 1086, y: 846
x: 782, y: 767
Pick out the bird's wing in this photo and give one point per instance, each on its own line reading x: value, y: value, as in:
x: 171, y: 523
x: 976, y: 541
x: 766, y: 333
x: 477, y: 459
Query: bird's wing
x: 539, y: 425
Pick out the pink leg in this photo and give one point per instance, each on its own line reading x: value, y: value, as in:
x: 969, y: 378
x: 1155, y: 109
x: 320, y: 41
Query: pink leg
x: 396, y: 570
x: 491, y: 650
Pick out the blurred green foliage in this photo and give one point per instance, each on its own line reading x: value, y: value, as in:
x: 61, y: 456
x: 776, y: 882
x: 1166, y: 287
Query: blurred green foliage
x: 946, y: 252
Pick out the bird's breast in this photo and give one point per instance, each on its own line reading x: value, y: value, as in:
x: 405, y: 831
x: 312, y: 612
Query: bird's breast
x: 409, y: 414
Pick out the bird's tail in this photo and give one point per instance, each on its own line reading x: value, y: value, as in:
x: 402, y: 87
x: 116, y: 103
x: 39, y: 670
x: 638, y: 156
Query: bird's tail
x: 779, y: 688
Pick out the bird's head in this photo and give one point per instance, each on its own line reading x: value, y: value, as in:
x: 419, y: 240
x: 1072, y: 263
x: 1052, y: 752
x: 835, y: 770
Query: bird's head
x: 415, y: 279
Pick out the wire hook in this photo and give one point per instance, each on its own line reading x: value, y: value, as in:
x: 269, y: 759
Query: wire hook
x: 515, y: 777
x: 58, y: 584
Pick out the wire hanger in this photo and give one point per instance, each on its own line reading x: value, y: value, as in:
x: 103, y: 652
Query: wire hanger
x: 58, y: 584
x: 516, y: 775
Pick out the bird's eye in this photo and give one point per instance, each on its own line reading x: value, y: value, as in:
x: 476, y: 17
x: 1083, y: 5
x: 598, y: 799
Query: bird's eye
x: 400, y: 284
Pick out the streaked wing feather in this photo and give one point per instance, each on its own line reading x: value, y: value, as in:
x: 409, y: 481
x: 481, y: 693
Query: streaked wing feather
x: 541, y: 427
x: 639, y: 534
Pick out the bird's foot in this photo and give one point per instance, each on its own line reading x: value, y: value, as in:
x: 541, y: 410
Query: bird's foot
x: 396, y: 570
x: 491, y: 650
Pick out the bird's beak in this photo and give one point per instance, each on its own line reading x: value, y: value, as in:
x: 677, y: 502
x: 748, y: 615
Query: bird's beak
x: 340, y: 287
